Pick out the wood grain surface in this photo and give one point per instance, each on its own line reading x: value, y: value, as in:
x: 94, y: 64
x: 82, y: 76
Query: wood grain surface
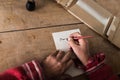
x: 25, y: 36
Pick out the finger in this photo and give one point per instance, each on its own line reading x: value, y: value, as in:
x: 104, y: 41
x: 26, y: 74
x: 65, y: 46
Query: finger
x: 71, y: 42
x: 67, y: 57
x: 60, y: 55
x: 55, y: 54
x: 77, y: 34
x: 69, y: 63
x: 82, y: 42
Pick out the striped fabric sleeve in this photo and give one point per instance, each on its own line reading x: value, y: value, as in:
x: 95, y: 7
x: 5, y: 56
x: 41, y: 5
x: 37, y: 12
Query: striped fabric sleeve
x: 33, y: 70
x: 28, y: 71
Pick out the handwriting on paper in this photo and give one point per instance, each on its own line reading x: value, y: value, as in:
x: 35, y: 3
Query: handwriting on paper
x: 61, y: 38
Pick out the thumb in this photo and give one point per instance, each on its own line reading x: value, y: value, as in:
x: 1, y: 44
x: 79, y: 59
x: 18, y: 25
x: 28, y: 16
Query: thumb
x: 71, y: 42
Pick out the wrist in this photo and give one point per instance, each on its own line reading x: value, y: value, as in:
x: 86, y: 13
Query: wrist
x: 86, y: 62
x: 85, y: 59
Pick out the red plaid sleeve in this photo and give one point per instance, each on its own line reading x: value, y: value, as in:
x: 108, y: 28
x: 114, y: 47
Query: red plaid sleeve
x: 28, y: 71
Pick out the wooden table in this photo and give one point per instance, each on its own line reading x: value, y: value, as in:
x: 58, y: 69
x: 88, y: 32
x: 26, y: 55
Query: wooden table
x: 25, y: 36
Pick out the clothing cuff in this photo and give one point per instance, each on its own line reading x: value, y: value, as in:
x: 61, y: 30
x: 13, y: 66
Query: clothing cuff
x: 95, y: 63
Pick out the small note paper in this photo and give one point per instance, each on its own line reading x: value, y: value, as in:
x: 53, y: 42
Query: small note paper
x: 60, y: 39
x: 61, y: 43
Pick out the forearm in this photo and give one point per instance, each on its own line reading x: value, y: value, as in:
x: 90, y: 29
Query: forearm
x: 28, y: 71
x: 97, y: 70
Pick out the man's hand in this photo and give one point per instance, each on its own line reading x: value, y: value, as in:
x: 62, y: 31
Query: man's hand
x: 80, y: 47
x: 56, y: 64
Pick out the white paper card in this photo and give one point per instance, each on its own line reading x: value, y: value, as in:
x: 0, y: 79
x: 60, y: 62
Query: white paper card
x: 60, y: 39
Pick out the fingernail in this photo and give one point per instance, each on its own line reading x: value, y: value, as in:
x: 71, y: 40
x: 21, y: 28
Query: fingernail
x: 69, y: 39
